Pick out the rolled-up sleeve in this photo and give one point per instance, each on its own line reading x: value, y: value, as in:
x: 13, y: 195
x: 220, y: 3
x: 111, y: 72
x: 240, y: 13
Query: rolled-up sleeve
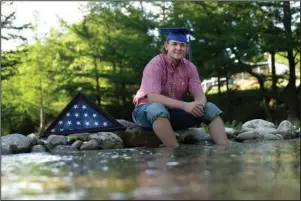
x: 152, y: 77
x: 194, y: 85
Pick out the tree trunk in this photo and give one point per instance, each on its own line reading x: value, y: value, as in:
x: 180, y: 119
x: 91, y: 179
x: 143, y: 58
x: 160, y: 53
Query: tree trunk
x: 228, y: 95
x: 219, y: 89
x: 42, y: 119
x: 98, y: 95
x: 291, y: 87
x: 274, y: 78
x: 227, y: 83
x: 264, y: 96
x: 300, y: 83
x: 116, y: 92
x: 219, y: 84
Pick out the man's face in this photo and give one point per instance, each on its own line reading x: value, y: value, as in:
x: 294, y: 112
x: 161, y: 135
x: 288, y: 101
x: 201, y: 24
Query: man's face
x: 176, y: 50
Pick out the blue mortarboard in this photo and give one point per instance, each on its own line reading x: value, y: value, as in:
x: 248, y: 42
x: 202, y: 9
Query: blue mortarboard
x: 82, y: 115
x: 179, y: 34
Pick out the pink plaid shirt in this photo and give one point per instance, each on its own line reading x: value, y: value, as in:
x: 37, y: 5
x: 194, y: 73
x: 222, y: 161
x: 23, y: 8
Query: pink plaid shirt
x: 161, y: 76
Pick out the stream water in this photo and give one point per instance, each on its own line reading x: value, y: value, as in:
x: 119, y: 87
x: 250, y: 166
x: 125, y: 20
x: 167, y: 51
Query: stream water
x: 264, y: 170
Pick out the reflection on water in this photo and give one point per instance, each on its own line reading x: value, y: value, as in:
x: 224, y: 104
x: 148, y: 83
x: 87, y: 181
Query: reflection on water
x: 265, y: 170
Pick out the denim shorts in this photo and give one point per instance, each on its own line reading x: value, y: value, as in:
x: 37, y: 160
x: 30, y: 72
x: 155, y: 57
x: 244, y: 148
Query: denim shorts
x: 145, y: 114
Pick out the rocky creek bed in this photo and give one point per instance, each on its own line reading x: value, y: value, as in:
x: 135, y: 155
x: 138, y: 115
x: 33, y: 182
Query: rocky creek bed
x: 261, y: 161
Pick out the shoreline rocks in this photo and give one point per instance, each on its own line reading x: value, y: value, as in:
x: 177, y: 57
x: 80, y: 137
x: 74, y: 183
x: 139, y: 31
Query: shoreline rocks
x: 134, y: 136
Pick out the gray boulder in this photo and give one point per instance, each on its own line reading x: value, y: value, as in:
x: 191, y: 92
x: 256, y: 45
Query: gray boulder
x: 286, y: 129
x: 107, y: 140
x: 77, y: 144
x: 249, y: 135
x: 5, y: 149
x: 255, y: 123
x: 38, y: 149
x: 90, y: 145
x: 18, y: 144
x: 33, y: 139
x: 55, y: 140
x: 127, y: 124
x: 270, y: 137
x: 261, y: 131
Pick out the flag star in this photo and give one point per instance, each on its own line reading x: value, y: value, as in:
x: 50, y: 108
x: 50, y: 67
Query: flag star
x: 96, y: 123
x: 60, y: 122
x: 85, y: 115
x: 87, y: 123
x: 68, y: 114
x: 84, y: 106
x: 69, y: 122
x: 78, y: 122
x: 76, y: 115
x: 105, y: 123
x: 75, y: 106
x: 94, y: 115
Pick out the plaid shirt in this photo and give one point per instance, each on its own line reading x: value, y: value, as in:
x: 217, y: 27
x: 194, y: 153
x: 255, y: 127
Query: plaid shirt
x: 161, y: 76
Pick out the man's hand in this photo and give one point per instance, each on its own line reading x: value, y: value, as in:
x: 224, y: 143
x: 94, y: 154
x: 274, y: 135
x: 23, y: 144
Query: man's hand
x: 195, y: 108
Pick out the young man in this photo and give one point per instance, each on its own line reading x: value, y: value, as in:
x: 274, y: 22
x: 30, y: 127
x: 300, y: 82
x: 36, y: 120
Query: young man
x: 166, y: 79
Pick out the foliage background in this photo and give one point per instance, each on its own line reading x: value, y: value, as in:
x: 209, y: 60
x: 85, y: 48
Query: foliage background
x: 104, y: 55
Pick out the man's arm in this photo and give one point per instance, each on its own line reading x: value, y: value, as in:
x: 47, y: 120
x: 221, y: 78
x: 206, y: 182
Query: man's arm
x: 193, y: 108
x: 168, y: 102
x: 201, y: 97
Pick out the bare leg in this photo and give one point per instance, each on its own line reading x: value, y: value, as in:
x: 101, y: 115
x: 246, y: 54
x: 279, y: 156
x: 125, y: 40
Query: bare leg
x: 164, y: 131
x: 217, y: 131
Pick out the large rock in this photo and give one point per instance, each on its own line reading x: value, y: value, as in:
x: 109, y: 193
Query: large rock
x: 249, y: 135
x: 15, y: 143
x: 261, y: 131
x: 270, y: 137
x: 90, y: 145
x: 5, y: 149
x: 107, y: 140
x: 136, y: 136
x: 286, y: 129
x: 77, y: 144
x: 33, y: 139
x: 245, y: 129
x: 127, y: 124
x: 255, y: 123
x: 139, y: 138
x: 38, y: 149
x: 280, y: 137
x: 55, y: 140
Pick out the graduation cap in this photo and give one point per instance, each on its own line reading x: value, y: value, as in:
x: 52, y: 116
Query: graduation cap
x: 82, y: 115
x: 179, y: 34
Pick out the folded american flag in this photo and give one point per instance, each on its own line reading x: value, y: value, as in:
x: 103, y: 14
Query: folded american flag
x: 82, y: 115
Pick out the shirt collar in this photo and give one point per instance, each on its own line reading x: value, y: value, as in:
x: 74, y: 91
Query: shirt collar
x: 169, y: 61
